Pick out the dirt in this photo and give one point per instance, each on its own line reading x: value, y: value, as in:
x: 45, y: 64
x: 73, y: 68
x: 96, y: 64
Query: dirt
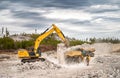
x: 104, y: 65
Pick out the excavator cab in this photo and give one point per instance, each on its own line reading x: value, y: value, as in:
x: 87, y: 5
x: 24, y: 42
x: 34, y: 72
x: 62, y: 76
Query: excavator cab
x: 32, y: 53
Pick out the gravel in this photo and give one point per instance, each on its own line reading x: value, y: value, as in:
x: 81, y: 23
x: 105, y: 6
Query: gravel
x: 103, y: 65
x: 21, y: 67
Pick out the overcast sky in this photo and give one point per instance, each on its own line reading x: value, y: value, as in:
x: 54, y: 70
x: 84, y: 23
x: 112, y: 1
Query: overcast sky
x: 76, y: 18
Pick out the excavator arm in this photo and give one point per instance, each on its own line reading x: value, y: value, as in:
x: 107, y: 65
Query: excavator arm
x: 47, y: 33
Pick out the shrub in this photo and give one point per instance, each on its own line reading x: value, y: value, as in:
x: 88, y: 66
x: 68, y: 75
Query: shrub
x: 6, y: 43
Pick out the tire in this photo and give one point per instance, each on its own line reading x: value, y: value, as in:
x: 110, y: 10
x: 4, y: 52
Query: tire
x: 42, y: 59
x: 23, y: 61
x: 91, y: 54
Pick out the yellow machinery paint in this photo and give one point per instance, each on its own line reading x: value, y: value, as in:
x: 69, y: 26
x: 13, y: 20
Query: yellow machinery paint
x: 27, y: 56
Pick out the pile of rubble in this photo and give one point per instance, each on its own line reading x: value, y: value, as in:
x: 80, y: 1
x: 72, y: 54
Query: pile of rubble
x: 4, y: 57
x: 103, y: 65
x: 36, y: 65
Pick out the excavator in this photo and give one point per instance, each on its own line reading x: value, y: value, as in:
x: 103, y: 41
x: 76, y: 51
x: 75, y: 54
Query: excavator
x: 35, y: 55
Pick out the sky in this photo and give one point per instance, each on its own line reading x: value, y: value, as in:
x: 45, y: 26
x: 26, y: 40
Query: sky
x: 80, y: 19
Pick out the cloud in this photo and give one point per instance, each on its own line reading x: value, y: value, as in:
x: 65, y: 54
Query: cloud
x: 98, y: 20
x: 77, y: 18
x: 104, y: 7
x: 5, y: 16
x: 63, y: 14
x: 108, y: 14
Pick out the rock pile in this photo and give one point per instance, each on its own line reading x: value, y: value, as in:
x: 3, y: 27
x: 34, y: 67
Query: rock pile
x: 4, y: 57
x: 108, y: 66
x: 21, y: 67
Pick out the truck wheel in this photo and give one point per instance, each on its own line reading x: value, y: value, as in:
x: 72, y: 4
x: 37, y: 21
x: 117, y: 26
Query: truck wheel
x: 42, y: 59
x: 23, y: 61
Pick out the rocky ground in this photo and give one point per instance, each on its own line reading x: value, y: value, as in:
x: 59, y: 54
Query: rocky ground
x: 104, y: 65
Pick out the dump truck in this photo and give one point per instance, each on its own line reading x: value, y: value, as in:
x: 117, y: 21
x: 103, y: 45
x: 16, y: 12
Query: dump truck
x: 79, y: 55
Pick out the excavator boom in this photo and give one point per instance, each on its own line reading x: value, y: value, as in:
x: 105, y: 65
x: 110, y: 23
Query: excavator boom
x: 47, y: 33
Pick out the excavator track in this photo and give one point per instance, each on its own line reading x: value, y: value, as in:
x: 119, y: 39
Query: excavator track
x: 32, y: 60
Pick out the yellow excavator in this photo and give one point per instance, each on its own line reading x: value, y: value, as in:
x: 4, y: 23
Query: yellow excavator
x: 35, y: 55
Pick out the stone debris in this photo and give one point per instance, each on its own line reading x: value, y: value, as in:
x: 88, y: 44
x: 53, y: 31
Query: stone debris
x: 103, y: 65
x: 4, y: 57
x: 36, y: 65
